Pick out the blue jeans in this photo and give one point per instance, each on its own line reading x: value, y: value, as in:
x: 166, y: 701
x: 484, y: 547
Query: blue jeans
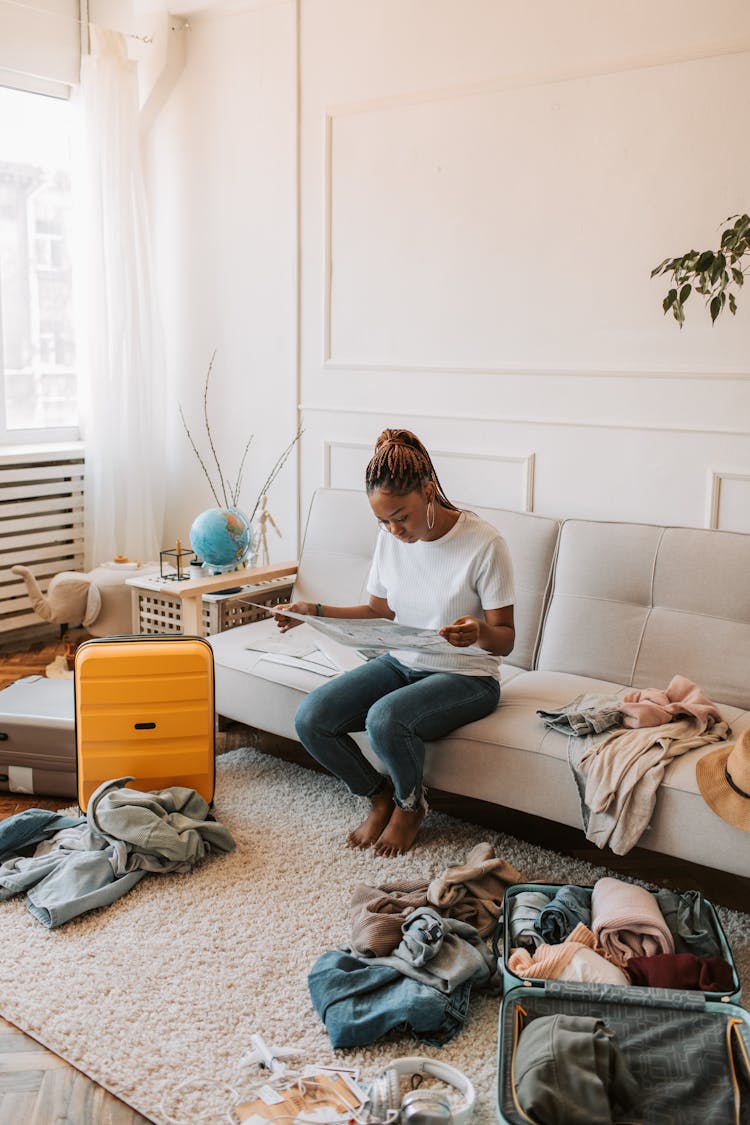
x: 360, y: 1000
x: 30, y: 827
x: 400, y: 709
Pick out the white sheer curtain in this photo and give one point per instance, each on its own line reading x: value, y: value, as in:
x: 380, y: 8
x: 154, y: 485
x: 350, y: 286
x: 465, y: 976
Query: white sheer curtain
x: 122, y: 386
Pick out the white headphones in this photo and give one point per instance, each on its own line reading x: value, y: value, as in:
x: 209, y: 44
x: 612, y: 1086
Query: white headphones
x: 385, y: 1106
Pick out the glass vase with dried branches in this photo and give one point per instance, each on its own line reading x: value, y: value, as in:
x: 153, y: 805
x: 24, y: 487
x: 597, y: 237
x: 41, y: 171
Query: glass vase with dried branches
x: 225, y: 492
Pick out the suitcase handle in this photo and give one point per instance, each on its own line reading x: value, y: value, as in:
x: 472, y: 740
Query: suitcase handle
x: 644, y: 996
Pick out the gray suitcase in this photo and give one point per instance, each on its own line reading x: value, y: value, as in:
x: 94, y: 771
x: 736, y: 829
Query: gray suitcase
x: 37, y: 737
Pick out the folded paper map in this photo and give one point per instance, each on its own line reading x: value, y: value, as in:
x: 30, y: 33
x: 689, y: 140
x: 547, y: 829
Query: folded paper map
x: 377, y: 633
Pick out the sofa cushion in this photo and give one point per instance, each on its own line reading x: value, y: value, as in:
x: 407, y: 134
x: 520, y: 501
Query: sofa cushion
x: 253, y: 690
x: 630, y: 605
x: 698, y: 627
x: 531, y: 541
x: 337, y: 548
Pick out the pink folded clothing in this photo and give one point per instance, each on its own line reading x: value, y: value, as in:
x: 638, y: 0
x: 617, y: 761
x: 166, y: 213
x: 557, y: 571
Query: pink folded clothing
x: 627, y: 922
x: 577, y: 958
x: 652, y: 707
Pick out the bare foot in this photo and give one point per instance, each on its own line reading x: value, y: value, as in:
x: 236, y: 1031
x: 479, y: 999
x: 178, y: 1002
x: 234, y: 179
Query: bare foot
x: 401, y: 831
x: 381, y: 807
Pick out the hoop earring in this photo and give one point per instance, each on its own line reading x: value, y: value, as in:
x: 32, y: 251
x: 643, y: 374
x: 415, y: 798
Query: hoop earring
x: 430, y: 515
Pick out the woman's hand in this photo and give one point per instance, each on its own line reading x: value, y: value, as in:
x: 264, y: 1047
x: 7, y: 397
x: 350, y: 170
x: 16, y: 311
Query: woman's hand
x: 462, y: 632
x: 495, y: 634
x: 286, y: 623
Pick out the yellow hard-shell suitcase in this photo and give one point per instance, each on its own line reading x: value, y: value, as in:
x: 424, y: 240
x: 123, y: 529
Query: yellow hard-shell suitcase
x: 144, y: 706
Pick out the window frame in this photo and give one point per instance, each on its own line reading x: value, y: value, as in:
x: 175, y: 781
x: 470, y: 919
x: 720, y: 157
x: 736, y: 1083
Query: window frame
x: 46, y: 435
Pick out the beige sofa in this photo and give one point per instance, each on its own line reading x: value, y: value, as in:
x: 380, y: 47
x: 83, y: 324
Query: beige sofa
x: 599, y: 607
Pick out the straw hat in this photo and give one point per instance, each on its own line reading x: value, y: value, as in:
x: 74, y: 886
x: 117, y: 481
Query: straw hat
x: 723, y: 778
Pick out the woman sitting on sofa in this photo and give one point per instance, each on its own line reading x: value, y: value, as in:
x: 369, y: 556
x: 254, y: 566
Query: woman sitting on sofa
x: 434, y: 567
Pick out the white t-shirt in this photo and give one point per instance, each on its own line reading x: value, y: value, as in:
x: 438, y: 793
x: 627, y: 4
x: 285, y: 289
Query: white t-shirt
x: 431, y: 584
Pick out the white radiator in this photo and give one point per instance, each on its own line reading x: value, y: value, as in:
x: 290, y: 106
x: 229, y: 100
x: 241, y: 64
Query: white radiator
x: 41, y: 521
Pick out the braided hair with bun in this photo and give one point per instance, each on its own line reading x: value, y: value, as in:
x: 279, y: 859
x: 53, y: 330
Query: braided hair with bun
x: 401, y: 464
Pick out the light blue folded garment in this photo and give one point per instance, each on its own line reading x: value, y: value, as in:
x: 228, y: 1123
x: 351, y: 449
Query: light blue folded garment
x: 569, y: 906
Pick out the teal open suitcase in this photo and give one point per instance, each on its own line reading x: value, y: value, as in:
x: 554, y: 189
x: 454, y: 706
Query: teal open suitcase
x: 689, y: 1051
x: 511, y: 980
x: 689, y: 1056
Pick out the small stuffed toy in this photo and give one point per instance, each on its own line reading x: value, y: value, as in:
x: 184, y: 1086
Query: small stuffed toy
x: 99, y: 600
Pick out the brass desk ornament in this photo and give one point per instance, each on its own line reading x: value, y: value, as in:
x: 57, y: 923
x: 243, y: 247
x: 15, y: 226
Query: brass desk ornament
x: 179, y: 574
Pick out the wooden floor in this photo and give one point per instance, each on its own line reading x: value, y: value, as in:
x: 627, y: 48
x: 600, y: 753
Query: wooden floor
x: 38, y: 1088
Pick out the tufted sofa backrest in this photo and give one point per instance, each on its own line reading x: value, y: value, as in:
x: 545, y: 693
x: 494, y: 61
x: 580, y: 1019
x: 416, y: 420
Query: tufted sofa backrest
x: 636, y: 604
x: 337, y: 548
x: 531, y: 541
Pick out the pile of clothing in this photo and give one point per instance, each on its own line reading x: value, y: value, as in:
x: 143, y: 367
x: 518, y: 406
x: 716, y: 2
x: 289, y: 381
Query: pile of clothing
x: 619, y: 747
x: 417, y: 951
x: 618, y: 933
x: 67, y: 866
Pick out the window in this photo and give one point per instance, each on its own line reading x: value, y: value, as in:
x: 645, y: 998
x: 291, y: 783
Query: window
x: 37, y: 324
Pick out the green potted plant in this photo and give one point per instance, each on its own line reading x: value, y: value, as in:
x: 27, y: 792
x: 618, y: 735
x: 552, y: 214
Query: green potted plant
x: 715, y: 274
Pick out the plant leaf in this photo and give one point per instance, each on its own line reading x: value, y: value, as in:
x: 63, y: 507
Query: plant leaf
x: 709, y: 272
x: 660, y: 267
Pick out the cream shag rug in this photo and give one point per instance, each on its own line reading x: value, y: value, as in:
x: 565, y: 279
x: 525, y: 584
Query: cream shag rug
x: 156, y: 996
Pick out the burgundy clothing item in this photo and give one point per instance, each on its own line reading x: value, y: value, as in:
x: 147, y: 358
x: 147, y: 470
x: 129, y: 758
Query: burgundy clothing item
x: 681, y: 970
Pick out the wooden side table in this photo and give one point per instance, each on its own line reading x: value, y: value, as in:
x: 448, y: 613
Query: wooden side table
x: 190, y: 592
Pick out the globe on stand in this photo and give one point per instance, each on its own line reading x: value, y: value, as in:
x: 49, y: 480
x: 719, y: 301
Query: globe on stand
x: 223, y: 538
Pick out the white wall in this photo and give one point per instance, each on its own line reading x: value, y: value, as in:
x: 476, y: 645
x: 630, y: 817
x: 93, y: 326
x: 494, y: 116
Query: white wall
x: 222, y: 175
x: 484, y: 188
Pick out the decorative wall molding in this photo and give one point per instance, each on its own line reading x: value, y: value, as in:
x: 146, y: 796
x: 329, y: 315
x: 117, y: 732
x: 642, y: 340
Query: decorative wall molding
x: 549, y: 78
x: 716, y: 478
x: 730, y: 374
x: 528, y: 420
x: 208, y: 12
x: 327, y: 237
x: 495, y: 86
x: 526, y: 465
